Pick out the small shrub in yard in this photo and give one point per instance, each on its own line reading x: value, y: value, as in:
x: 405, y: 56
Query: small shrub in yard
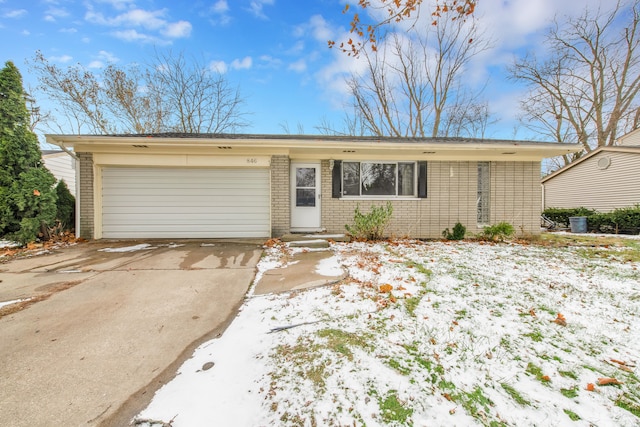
x: 458, y: 232
x: 370, y: 226
x: 497, y: 232
x: 66, y: 206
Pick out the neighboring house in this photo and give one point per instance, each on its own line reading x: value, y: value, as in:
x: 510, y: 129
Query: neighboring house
x: 62, y: 166
x: 216, y: 186
x: 605, y: 179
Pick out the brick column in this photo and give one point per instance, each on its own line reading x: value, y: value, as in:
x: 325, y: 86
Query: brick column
x: 280, y: 196
x: 86, y: 195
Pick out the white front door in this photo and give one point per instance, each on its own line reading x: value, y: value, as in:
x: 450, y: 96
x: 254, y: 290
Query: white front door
x: 305, y: 196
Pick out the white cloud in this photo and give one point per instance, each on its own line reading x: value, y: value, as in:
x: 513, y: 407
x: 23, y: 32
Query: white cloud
x: 257, y: 6
x: 14, y: 14
x: 220, y: 7
x: 298, y: 66
x: 54, y: 12
x: 151, y: 20
x: 135, y: 36
x: 26, y: 32
x: 269, y: 61
x: 63, y: 58
x: 177, y: 30
x: 108, y: 56
x: 218, y: 66
x: 96, y: 64
x: 297, y: 48
x: 134, y: 19
x: 320, y: 29
x: 118, y: 4
x: 242, y: 64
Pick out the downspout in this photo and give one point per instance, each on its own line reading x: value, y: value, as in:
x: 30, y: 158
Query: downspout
x: 77, y: 224
x: 66, y: 150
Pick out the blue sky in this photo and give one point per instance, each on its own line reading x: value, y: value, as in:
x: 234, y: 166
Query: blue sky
x: 275, y: 50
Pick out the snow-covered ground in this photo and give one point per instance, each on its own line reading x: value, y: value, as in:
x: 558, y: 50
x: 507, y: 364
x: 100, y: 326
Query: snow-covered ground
x: 428, y: 334
x: 8, y: 244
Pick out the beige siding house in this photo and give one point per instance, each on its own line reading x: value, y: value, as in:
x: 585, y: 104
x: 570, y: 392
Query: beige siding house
x: 62, y: 166
x: 217, y: 186
x: 605, y: 179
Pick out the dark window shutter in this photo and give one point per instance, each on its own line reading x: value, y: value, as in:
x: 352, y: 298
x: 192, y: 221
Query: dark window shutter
x: 422, y: 180
x: 336, y: 179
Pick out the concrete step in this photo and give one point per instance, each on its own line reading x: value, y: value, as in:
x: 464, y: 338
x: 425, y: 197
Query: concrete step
x: 314, y: 236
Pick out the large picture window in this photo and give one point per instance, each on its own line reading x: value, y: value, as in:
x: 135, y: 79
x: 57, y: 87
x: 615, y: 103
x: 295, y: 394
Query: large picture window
x: 376, y: 179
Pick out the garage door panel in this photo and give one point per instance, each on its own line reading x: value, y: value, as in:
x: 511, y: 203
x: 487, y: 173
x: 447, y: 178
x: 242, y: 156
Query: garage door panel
x: 196, y: 218
x: 186, y: 196
x: 198, y: 203
x: 179, y: 210
x: 130, y: 183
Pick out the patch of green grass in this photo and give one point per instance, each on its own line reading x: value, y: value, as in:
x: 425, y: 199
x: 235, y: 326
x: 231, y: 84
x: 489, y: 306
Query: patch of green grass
x: 572, y: 415
x: 460, y: 314
x: 446, y: 385
x: 626, y: 404
x: 473, y: 402
x: 419, y: 268
x: 341, y: 342
x: 505, y: 343
x: 393, y: 410
x: 515, y: 395
x: 625, y: 255
x: 399, y: 367
x: 569, y: 393
x: 413, y: 351
x: 535, y: 336
x: 563, y: 240
x: 547, y: 309
x: 411, y: 304
x: 303, y: 359
x: 569, y: 374
x: 536, y: 371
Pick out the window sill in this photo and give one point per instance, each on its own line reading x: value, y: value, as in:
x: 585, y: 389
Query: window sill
x: 382, y: 198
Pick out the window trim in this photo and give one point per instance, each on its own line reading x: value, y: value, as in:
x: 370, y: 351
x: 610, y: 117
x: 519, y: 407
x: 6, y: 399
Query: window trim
x: 483, y: 201
x: 416, y: 172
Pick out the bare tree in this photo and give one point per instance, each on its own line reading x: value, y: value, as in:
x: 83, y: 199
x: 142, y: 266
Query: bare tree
x: 414, y: 86
x: 76, y: 93
x: 169, y: 94
x: 128, y: 97
x: 586, y: 91
x: 385, y: 13
x: 196, y: 98
x: 284, y: 125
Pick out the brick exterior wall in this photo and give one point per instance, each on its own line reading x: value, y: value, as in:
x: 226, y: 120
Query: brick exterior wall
x: 86, y: 195
x: 516, y: 195
x: 451, y: 198
x: 280, y: 195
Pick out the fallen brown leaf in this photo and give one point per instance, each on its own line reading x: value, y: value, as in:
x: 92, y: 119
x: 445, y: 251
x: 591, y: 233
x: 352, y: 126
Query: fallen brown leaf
x: 608, y: 381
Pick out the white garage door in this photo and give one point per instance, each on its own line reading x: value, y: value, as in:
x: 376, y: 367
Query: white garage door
x: 189, y: 203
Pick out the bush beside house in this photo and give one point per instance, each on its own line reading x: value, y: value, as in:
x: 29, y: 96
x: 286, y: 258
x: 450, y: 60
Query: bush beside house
x: 622, y: 220
x: 27, y: 193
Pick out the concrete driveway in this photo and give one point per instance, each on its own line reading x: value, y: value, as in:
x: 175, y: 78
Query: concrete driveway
x: 110, y: 328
